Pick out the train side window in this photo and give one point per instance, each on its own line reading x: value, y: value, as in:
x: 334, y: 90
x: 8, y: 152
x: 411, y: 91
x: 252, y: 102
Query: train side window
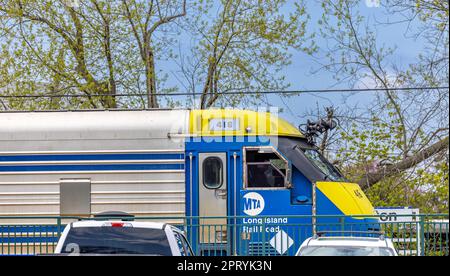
x: 264, y: 168
x: 212, y: 172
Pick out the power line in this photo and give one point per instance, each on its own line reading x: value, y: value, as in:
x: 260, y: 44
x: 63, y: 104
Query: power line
x: 280, y: 92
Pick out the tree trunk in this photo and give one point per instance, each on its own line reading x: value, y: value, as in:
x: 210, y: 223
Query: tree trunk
x: 150, y: 79
x: 206, y: 92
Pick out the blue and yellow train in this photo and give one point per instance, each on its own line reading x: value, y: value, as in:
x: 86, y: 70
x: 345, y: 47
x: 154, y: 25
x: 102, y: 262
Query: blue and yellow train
x: 251, y: 167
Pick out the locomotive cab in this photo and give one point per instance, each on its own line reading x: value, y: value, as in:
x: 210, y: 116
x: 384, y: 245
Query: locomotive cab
x: 255, y: 166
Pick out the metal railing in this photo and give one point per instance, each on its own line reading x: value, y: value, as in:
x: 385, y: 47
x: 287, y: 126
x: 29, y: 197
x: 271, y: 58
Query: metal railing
x: 421, y: 235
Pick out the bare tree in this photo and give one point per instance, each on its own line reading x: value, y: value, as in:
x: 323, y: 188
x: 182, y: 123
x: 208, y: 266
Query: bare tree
x: 145, y: 19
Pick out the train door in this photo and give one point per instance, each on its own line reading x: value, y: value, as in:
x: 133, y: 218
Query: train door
x: 212, y: 199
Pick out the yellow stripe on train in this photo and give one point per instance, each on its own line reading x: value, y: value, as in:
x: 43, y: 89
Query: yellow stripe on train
x: 348, y: 197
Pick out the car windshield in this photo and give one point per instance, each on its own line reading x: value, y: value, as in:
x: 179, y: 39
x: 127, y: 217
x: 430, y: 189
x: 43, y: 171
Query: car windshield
x: 345, y: 251
x: 116, y: 240
x: 322, y: 163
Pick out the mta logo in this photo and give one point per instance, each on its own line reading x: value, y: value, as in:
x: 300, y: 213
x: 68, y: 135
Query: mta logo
x: 253, y: 204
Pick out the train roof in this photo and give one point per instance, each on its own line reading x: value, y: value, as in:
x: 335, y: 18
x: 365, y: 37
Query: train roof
x: 144, y: 123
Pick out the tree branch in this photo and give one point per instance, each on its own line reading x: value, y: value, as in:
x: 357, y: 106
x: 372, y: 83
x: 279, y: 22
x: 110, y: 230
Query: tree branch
x: 164, y: 20
x: 372, y: 178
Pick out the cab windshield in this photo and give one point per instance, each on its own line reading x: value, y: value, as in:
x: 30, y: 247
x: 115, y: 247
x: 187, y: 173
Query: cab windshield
x: 323, y: 165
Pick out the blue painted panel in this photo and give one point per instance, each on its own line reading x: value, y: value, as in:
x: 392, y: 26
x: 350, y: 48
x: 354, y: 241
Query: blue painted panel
x: 229, y: 145
x: 283, y: 232
x: 278, y: 202
x: 301, y: 187
x: 263, y: 202
x: 37, y: 168
x: 217, y: 144
x: 88, y: 157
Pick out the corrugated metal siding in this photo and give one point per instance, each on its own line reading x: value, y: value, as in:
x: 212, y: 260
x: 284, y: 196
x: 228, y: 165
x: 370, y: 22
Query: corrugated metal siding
x: 155, y: 192
x: 129, y: 158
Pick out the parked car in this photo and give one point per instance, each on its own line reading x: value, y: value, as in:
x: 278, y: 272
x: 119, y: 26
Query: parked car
x: 122, y: 237
x: 347, y: 246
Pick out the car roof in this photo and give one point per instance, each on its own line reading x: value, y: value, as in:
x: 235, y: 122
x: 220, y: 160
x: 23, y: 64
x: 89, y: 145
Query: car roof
x: 135, y: 224
x: 348, y: 241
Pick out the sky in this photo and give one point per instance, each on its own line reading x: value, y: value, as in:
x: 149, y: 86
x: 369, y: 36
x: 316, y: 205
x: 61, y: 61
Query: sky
x: 299, y: 75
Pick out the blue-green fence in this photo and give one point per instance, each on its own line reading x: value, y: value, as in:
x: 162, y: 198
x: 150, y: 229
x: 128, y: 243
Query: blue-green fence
x: 425, y: 234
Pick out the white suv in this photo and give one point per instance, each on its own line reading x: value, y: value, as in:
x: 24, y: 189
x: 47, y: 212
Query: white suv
x: 122, y: 237
x: 347, y: 246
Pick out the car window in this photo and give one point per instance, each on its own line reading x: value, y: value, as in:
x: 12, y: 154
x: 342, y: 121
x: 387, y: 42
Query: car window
x: 116, y: 240
x: 345, y: 251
